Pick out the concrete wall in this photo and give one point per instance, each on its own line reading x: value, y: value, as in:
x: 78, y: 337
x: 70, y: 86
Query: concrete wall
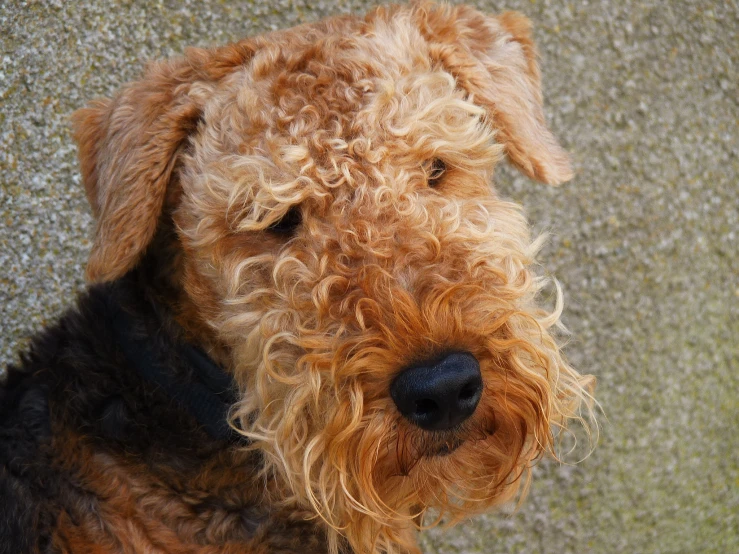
x: 644, y: 239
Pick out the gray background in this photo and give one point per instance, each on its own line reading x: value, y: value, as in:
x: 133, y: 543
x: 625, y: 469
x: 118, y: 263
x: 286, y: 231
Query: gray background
x: 644, y: 239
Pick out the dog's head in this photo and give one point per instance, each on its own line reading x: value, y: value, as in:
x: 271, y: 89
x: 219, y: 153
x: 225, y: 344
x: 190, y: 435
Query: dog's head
x: 341, y: 242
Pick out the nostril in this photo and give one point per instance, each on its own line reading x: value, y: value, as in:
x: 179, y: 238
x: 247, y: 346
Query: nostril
x: 425, y: 407
x: 468, y: 392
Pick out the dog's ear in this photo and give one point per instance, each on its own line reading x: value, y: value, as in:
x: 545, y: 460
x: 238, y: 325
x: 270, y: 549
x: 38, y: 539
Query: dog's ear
x: 129, y: 146
x: 495, y: 60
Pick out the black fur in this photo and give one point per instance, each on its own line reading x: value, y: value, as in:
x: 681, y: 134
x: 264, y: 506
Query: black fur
x: 77, y: 377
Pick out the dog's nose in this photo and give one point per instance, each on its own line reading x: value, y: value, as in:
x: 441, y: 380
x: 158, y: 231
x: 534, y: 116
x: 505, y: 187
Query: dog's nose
x: 441, y: 393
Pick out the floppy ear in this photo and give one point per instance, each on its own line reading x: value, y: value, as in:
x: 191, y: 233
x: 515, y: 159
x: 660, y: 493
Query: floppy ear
x: 495, y: 60
x: 129, y: 146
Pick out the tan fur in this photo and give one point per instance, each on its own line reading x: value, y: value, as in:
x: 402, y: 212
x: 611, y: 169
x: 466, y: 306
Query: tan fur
x: 136, y: 507
x: 343, y: 119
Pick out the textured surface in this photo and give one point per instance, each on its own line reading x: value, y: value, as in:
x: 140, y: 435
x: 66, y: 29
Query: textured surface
x: 643, y: 240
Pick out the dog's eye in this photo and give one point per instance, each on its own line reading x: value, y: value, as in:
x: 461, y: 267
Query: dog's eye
x: 436, y: 172
x: 288, y: 223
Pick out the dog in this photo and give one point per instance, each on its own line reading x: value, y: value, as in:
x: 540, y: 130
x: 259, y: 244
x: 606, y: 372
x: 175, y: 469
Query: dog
x: 312, y: 323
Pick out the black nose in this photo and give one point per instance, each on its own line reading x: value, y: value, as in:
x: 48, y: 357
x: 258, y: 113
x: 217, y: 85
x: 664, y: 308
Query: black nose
x: 441, y: 393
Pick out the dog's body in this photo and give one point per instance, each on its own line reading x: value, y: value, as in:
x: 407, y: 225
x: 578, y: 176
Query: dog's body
x: 313, y: 210
x: 97, y: 456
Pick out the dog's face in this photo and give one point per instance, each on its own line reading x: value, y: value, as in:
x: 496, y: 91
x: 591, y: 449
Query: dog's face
x: 342, y: 242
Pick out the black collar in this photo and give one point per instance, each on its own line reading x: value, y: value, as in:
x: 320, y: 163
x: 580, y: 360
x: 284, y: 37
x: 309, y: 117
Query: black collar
x: 203, y: 389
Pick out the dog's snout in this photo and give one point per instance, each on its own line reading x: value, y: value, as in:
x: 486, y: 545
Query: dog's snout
x: 439, y: 394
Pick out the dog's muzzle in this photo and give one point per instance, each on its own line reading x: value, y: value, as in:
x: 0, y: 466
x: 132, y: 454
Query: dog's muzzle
x: 439, y: 394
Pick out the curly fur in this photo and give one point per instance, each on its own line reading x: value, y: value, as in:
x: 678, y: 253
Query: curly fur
x: 340, y: 122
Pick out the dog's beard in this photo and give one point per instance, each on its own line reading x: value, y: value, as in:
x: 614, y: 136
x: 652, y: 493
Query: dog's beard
x: 373, y: 492
x: 479, y: 464
x: 372, y: 476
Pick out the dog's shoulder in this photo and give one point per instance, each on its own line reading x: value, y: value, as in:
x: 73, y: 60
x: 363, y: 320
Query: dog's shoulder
x: 77, y: 397
x: 37, y: 398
